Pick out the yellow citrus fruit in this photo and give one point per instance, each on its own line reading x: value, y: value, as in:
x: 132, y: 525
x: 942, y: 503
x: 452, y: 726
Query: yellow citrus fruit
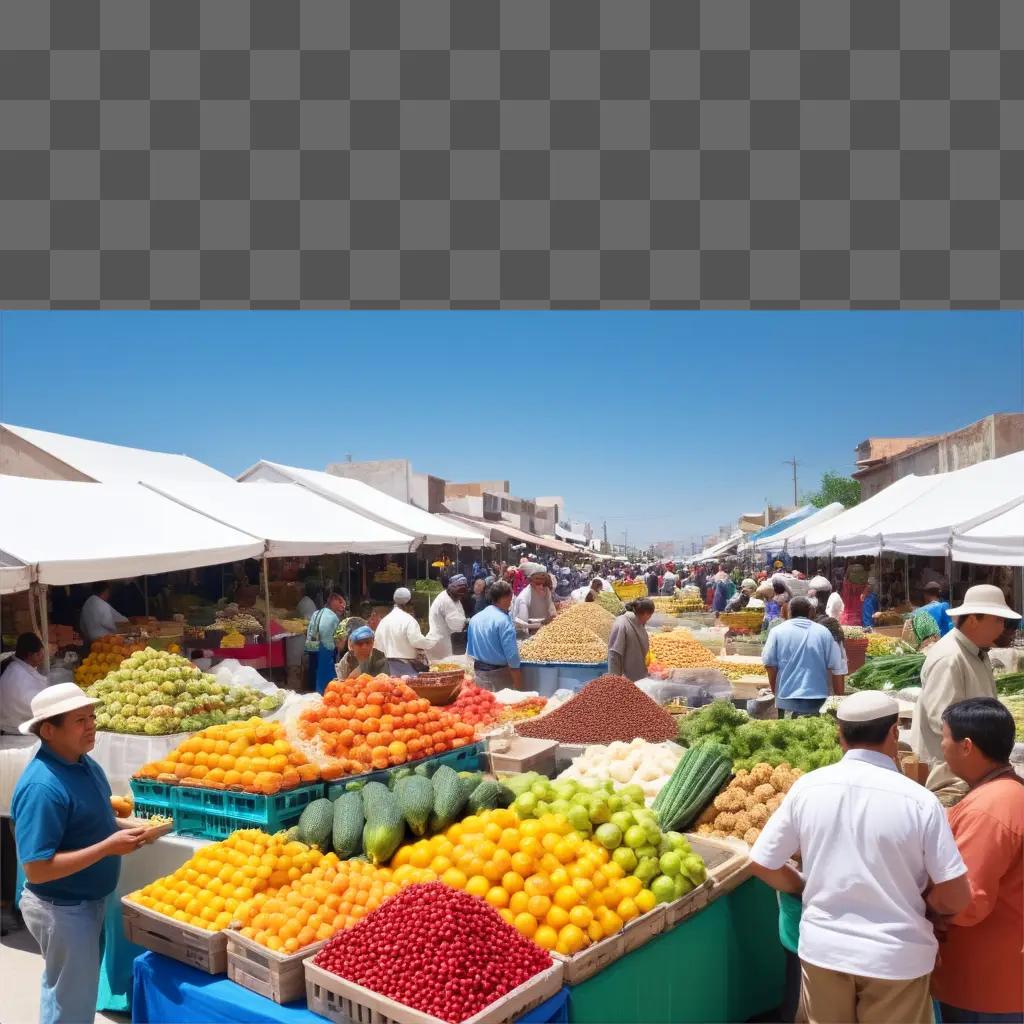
x: 644, y: 900
x: 478, y: 886
x: 581, y: 917
x: 557, y: 918
x: 526, y: 924
x: 518, y: 902
x: 512, y: 882
x: 546, y: 937
x: 497, y: 897
x: 566, y: 897
x: 570, y: 940
x: 538, y: 906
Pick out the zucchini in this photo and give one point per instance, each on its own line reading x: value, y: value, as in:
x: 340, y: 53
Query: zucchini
x: 348, y: 825
x: 698, y: 776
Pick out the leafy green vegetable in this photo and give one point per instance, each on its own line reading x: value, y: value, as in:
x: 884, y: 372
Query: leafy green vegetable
x: 804, y: 743
x: 889, y: 673
x: 1011, y: 682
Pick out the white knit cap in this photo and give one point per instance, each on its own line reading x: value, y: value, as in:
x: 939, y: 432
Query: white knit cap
x: 866, y: 706
x: 403, y: 595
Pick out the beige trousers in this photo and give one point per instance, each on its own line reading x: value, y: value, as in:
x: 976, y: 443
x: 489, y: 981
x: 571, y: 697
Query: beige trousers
x: 832, y: 997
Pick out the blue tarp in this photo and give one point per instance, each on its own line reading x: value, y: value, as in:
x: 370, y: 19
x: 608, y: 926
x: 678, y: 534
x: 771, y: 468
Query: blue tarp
x: 168, y: 992
x: 783, y: 524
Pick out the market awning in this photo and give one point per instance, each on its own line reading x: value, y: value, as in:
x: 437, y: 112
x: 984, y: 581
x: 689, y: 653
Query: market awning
x: 919, y: 514
x: 860, y: 519
x: 567, y: 535
x: 293, y: 520
x: 71, y: 532
x: 368, y: 501
x: 1000, y: 541
x: 498, y: 530
x: 780, y: 540
x: 62, y: 456
x: 782, y: 524
x: 721, y: 548
x: 14, y: 575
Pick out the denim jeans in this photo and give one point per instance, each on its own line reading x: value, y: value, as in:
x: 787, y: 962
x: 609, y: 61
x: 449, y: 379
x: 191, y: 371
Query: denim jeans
x: 70, y: 939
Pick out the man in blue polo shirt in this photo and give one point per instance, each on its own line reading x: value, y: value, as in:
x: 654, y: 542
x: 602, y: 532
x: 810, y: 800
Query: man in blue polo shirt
x: 68, y: 844
x: 803, y: 661
x: 491, y: 642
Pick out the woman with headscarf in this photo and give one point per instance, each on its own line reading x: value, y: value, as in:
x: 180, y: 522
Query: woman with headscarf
x: 741, y: 600
x: 360, y: 656
x: 921, y: 630
x: 628, y: 644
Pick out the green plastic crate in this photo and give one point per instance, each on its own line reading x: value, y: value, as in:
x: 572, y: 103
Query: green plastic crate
x: 462, y: 759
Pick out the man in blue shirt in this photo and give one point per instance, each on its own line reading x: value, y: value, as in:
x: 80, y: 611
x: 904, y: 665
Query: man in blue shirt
x: 870, y: 606
x: 936, y: 607
x: 803, y: 662
x: 491, y: 641
x: 68, y: 844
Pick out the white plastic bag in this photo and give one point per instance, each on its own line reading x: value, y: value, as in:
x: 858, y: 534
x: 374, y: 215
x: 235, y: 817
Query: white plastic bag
x: 233, y: 673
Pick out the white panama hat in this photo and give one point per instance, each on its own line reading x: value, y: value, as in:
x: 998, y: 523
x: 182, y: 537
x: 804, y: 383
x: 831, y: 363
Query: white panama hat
x: 984, y: 599
x: 56, y: 700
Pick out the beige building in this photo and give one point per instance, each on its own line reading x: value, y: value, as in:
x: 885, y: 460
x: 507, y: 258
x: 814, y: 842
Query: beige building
x: 883, y: 460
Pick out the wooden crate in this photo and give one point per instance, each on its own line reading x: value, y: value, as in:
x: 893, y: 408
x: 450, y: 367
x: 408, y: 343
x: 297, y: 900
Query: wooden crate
x: 686, y: 906
x: 347, y: 1003
x: 206, y: 951
x: 280, y: 977
x: 636, y: 933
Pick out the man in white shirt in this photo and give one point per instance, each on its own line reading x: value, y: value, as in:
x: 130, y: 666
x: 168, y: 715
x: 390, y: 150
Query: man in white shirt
x: 306, y: 606
x: 876, y: 852
x: 20, y: 682
x: 399, y: 639
x: 98, y: 617
x: 447, y: 615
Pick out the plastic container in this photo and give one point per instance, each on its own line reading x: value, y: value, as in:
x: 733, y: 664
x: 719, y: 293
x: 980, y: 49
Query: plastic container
x: 347, y: 1003
x: 461, y: 759
x: 525, y: 754
x: 215, y: 814
x: 548, y: 676
x: 152, y: 798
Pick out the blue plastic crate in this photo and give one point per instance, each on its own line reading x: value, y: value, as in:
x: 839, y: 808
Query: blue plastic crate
x: 157, y: 797
x: 462, y: 759
x: 215, y: 814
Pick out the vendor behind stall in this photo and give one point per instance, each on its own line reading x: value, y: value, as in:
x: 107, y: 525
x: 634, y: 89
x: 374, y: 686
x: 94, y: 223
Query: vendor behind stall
x: 447, y: 616
x: 534, y: 606
x: 20, y: 681
x: 399, y: 639
x: 628, y: 644
x: 360, y: 658
x: 98, y: 617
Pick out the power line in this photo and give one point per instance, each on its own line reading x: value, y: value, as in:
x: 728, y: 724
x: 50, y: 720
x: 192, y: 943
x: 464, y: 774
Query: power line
x: 792, y: 462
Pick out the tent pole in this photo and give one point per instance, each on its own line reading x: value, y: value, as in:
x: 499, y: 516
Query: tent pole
x: 906, y: 577
x: 145, y: 593
x: 266, y: 599
x: 45, y: 625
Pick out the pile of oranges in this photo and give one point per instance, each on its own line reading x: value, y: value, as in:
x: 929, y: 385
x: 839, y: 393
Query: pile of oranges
x: 105, y: 655
x: 332, y: 896
x: 554, y: 887
x: 253, y: 756
x: 372, y: 722
x: 208, y: 890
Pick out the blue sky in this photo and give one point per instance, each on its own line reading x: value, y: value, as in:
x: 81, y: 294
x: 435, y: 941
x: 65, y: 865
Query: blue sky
x: 664, y: 424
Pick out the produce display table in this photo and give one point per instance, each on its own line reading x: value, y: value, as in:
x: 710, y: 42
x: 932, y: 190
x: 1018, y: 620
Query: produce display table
x: 723, y: 964
x: 168, y: 992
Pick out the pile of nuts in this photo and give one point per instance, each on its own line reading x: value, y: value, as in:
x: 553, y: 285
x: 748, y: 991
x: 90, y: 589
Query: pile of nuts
x: 592, y: 616
x: 565, y: 640
x: 678, y: 649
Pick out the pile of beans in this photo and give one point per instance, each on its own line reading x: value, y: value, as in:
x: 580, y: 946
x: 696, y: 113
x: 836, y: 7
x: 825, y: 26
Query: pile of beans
x: 437, y: 950
x: 607, y: 709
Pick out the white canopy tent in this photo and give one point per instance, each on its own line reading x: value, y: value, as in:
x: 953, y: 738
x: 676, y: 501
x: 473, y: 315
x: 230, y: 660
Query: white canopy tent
x: 40, y: 453
x: 424, y: 527
x: 999, y: 541
x: 780, y: 541
x: 69, y: 532
x: 293, y: 520
x: 14, y: 575
x: 859, y: 520
x: 961, y: 500
x: 721, y: 548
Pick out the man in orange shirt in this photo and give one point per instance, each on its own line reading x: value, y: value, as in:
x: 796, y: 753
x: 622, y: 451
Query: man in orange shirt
x: 979, y: 973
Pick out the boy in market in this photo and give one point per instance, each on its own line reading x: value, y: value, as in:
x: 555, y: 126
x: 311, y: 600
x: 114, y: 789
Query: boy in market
x: 69, y: 843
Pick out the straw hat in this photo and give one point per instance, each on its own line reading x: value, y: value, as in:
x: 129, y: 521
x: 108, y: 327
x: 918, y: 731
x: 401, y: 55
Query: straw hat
x: 984, y: 599
x: 55, y: 700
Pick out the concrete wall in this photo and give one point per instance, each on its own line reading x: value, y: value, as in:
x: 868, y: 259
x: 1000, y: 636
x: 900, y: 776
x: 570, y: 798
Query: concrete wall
x: 990, y: 438
x: 19, y: 457
x: 392, y: 476
x: 475, y: 488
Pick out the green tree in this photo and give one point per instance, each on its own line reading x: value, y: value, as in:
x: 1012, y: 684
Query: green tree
x: 834, y: 487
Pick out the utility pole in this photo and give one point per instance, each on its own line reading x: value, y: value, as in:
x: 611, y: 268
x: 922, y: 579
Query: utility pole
x: 792, y: 462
